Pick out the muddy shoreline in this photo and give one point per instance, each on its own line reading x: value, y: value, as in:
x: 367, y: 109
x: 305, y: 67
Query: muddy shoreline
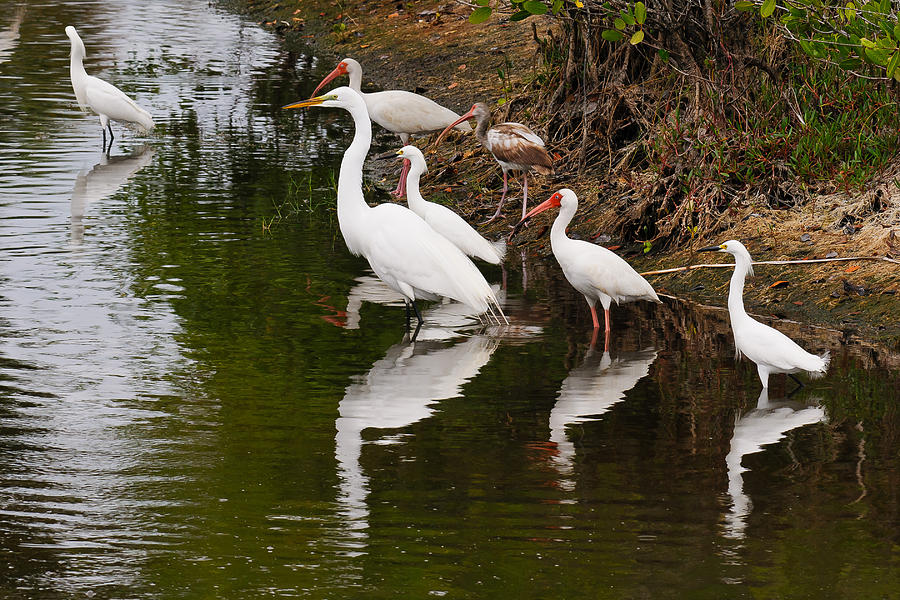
x: 429, y: 47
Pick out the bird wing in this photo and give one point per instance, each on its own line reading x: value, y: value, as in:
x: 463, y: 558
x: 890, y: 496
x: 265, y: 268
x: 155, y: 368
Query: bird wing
x: 106, y: 99
x: 609, y: 273
x: 460, y: 233
x: 402, y: 248
x: 404, y: 112
x: 515, y: 144
x: 763, y: 344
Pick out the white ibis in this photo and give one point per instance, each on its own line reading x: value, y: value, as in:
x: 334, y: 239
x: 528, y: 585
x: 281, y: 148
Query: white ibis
x: 442, y: 219
x: 771, y: 350
x: 402, y: 249
x: 398, y: 111
x: 513, y: 145
x: 105, y: 99
x: 598, y: 273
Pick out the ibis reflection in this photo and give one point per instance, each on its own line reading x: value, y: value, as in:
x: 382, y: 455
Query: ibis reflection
x: 591, y: 389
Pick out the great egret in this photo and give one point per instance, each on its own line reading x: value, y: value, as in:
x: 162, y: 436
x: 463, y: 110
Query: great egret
x: 598, y: 273
x: 402, y: 249
x: 771, y: 350
x: 105, y: 99
x: 513, y: 145
x: 398, y: 111
x: 442, y: 219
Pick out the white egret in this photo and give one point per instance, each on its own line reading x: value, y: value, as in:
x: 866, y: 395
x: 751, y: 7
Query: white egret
x: 105, y: 99
x: 598, y: 273
x: 402, y: 249
x: 398, y: 111
x: 442, y: 219
x: 513, y: 146
x: 771, y: 350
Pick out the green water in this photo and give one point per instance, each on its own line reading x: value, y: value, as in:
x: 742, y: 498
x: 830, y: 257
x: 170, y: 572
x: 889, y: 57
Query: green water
x: 199, y: 399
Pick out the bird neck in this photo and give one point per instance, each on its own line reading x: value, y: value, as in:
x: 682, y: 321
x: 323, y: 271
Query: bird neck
x: 355, y: 80
x: 413, y: 194
x: 484, y: 123
x: 77, y: 73
x: 558, y: 237
x: 351, y: 205
x: 736, y: 287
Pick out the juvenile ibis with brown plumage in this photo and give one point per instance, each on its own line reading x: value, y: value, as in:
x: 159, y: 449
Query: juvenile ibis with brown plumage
x: 398, y: 111
x: 513, y: 145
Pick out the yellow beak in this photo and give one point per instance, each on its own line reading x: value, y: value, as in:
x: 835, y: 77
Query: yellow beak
x: 305, y: 103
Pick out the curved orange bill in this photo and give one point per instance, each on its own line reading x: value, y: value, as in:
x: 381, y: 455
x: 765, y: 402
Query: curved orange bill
x: 305, y: 103
x: 466, y: 116
x: 336, y: 73
x: 553, y: 201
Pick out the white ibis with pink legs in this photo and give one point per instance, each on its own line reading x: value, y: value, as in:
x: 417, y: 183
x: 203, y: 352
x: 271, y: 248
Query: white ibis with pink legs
x: 398, y: 111
x: 513, y: 145
x: 402, y: 249
x: 442, y: 219
x: 598, y: 273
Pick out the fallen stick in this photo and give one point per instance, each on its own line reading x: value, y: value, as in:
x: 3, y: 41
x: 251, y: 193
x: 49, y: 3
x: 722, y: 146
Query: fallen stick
x: 771, y: 262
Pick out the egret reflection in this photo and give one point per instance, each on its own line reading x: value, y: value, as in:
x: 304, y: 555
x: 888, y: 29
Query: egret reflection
x: 763, y: 425
x: 102, y: 181
x: 591, y: 389
x: 9, y: 37
x: 399, y: 390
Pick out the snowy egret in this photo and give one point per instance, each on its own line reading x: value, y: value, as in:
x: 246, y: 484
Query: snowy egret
x: 513, y: 145
x: 442, y: 219
x: 398, y: 111
x: 105, y: 99
x: 598, y: 273
x: 402, y: 249
x: 771, y: 350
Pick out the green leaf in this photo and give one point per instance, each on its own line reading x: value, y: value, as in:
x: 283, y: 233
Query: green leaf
x: 611, y: 35
x: 867, y: 43
x: 640, y: 12
x: 483, y: 2
x: 850, y: 64
x: 627, y: 18
x: 878, y: 57
x: 619, y: 24
x: 480, y: 15
x: 519, y: 16
x: 886, y: 28
x: 535, y: 7
x: 557, y: 4
x: 897, y: 31
x: 638, y: 37
x: 744, y: 5
x: 893, y: 63
x: 768, y: 7
x: 664, y: 55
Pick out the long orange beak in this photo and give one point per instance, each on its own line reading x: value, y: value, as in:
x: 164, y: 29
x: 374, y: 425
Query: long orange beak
x: 305, y: 103
x: 553, y: 201
x: 466, y: 116
x: 338, y: 71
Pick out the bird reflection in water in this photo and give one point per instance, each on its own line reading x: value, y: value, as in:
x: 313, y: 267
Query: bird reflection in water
x: 766, y: 424
x: 590, y: 390
x: 399, y: 390
x: 9, y: 37
x: 102, y: 181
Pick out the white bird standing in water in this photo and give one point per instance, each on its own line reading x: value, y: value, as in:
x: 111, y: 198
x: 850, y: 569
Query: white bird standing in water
x: 402, y: 249
x: 105, y: 99
x: 598, y: 273
x: 513, y: 146
x: 442, y: 219
x: 398, y: 111
x: 771, y: 350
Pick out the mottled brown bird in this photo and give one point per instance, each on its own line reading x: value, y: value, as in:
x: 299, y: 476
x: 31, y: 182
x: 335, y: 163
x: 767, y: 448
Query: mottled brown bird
x: 513, y: 145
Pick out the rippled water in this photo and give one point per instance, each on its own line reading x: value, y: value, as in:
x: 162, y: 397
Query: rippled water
x: 201, y: 399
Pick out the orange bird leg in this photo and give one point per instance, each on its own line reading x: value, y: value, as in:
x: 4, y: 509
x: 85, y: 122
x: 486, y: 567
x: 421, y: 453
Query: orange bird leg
x: 596, y: 320
x: 606, y: 314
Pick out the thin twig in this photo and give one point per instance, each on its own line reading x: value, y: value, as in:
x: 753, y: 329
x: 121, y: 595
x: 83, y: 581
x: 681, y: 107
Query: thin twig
x: 771, y: 262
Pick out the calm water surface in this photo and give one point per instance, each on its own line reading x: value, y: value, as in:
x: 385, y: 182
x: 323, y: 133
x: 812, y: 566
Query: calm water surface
x: 198, y: 400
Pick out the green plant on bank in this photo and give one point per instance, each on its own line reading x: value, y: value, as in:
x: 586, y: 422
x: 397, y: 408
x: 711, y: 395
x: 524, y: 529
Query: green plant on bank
x: 302, y: 197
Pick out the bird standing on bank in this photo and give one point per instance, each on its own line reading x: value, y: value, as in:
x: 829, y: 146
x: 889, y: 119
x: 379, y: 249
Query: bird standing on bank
x: 105, y: 99
x: 442, y: 219
x: 771, y: 350
x: 598, y: 273
x: 513, y: 146
x: 402, y: 249
x: 398, y: 111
